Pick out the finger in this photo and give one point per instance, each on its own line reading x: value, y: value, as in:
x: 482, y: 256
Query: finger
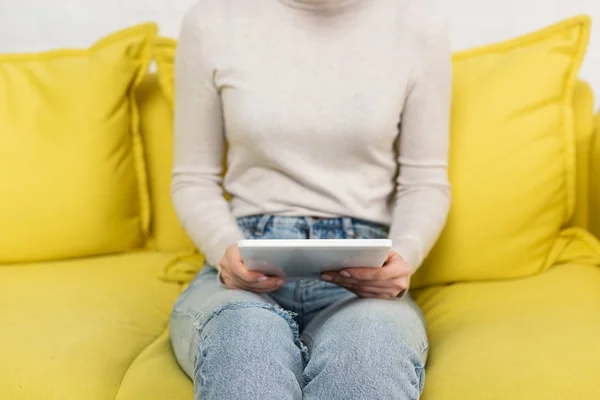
x: 373, y: 296
x: 383, y: 284
x: 354, y: 284
x: 394, y: 285
x: 263, y: 282
x: 387, y: 272
x: 228, y: 280
x: 343, y: 283
x: 272, y: 283
x: 393, y: 267
x: 389, y: 256
x: 386, y: 289
x: 259, y: 291
x: 267, y: 286
x: 335, y: 277
x: 233, y: 282
x: 386, y: 292
x: 351, y: 283
x: 379, y: 290
x: 243, y: 274
x: 367, y: 274
x: 402, y: 283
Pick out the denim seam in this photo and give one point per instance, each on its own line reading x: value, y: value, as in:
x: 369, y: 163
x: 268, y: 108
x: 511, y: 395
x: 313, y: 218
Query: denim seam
x: 421, y: 374
x: 197, y: 366
x: 308, y: 343
x: 288, y: 316
x: 424, y: 349
x: 420, y: 368
x: 301, y: 306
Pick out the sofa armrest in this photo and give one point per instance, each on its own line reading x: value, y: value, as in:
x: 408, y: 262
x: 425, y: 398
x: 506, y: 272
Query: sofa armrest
x: 595, y: 181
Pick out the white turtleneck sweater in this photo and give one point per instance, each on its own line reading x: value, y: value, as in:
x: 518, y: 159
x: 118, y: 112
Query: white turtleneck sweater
x: 330, y: 108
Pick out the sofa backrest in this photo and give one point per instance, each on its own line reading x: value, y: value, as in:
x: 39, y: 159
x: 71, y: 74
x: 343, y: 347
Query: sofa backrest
x: 583, y: 118
x: 156, y: 119
x: 594, y: 186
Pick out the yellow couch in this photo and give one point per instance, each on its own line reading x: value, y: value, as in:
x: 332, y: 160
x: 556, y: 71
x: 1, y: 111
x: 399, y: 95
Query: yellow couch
x: 96, y: 328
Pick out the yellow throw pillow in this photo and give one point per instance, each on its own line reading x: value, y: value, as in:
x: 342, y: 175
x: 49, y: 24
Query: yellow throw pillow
x: 72, y: 173
x: 512, y: 162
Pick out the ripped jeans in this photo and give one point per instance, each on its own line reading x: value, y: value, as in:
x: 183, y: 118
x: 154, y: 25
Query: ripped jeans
x: 310, y: 339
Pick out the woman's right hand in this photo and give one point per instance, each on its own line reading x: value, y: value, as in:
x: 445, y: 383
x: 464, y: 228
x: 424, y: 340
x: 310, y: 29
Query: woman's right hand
x: 235, y: 275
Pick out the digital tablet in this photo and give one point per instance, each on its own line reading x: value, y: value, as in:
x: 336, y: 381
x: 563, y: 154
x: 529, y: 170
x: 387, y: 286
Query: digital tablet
x: 305, y: 259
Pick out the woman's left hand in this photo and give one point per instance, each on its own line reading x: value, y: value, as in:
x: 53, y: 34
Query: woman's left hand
x: 388, y: 282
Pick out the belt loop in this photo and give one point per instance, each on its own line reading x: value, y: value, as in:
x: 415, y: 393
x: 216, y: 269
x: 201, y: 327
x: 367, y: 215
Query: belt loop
x: 348, y: 225
x: 262, y: 223
x: 308, y: 226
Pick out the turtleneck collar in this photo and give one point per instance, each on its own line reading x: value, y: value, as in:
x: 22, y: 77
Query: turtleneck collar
x: 325, y: 5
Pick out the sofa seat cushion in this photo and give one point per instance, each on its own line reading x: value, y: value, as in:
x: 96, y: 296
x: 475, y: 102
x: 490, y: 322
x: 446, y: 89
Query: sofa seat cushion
x: 534, y: 338
x: 71, y: 329
x: 155, y: 375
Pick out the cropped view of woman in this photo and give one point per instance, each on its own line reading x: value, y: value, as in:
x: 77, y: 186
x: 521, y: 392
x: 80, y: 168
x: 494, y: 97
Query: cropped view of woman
x: 336, y: 117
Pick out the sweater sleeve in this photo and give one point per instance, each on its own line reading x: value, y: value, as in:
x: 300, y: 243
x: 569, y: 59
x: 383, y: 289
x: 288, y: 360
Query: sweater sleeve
x: 199, y: 145
x: 422, y: 189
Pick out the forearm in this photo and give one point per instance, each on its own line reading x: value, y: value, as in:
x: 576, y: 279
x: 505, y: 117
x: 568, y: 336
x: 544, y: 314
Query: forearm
x: 205, y: 214
x: 419, y: 216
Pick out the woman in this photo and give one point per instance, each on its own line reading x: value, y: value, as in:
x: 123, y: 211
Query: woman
x: 336, y: 115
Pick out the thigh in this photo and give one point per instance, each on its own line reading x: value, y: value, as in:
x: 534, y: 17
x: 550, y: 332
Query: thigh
x: 363, y: 323
x: 203, y: 298
x: 366, y: 348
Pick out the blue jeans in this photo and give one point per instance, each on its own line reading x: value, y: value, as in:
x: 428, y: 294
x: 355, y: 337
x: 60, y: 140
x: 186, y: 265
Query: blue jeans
x: 308, y: 340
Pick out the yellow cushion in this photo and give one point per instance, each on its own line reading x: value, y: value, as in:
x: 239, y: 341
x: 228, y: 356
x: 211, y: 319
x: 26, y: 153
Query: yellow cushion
x: 583, y: 115
x: 155, y: 375
x: 72, y: 329
x: 164, y: 54
x: 72, y: 174
x: 156, y: 126
x: 595, y: 181
x: 512, y: 156
x: 533, y: 338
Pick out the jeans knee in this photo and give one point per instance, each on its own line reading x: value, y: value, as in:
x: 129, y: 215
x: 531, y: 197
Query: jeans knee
x: 254, y: 326
x: 380, y: 359
x: 376, y: 361
x: 237, y: 334
x: 370, y: 338
x: 246, y: 320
